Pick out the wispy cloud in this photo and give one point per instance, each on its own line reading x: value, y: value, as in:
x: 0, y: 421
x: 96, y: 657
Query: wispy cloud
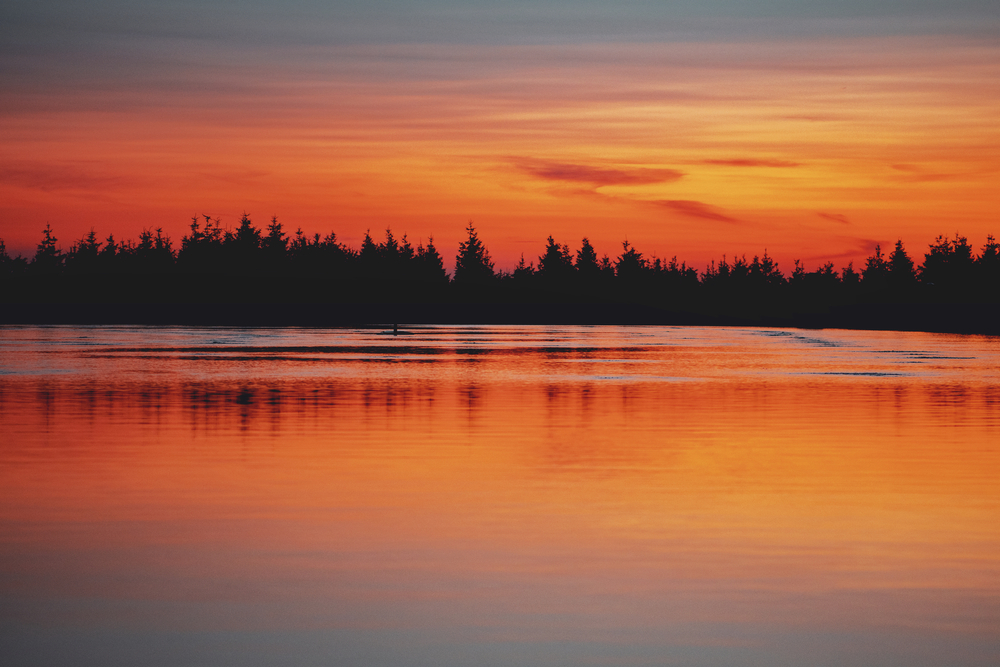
x: 751, y: 162
x: 915, y: 174
x: 695, y: 209
x: 597, y: 176
x: 52, y: 178
x: 835, y: 217
x: 855, y: 246
x: 813, y: 118
x: 867, y: 246
x: 926, y: 178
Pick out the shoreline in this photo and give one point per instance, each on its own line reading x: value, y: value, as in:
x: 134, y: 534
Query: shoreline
x: 981, y: 319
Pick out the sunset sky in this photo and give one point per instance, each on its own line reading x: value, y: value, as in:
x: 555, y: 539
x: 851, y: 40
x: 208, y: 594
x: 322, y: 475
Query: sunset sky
x: 693, y: 128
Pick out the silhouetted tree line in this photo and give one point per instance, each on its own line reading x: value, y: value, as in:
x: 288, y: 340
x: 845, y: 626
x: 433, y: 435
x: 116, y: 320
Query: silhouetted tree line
x: 214, y: 264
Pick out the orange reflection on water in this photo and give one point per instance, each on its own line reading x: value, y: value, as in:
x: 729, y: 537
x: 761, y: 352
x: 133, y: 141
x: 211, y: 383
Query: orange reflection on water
x: 512, y: 496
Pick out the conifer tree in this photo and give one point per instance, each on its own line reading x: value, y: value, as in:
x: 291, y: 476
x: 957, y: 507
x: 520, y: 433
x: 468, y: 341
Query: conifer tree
x: 276, y: 242
x: 83, y: 256
x: 849, y: 276
x: 473, y: 265
x: 523, y: 272
x: 988, y: 269
x: 586, y: 259
x: 48, y: 259
x: 901, y: 270
x: 798, y: 273
x: 431, y: 264
x: 630, y: 266
x: 247, y: 236
x: 876, y: 269
x: 555, y: 261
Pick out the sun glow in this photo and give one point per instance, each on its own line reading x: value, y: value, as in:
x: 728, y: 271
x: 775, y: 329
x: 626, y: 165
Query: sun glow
x: 811, y: 148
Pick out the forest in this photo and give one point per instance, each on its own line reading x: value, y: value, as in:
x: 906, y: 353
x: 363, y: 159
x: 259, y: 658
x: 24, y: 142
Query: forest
x: 267, y: 276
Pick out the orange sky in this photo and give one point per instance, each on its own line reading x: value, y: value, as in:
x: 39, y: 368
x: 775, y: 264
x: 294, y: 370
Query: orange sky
x: 814, y: 146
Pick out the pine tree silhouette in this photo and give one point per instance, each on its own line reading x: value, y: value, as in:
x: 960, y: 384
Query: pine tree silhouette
x: 48, y: 259
x: 242, y: 266
x: 473, y: 265
x: 876, y: 271
x: 631, y: 266
x: 555, y: 264
x: 901, y: 270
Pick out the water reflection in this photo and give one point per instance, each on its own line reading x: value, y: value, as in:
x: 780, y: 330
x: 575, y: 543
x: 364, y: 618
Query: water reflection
x: 499, y: 496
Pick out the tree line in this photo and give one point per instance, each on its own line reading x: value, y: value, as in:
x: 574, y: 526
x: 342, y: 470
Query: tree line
x: 248, y: 264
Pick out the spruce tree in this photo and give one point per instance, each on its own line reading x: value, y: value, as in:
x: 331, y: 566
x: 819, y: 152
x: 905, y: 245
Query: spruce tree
x: 473, y: 265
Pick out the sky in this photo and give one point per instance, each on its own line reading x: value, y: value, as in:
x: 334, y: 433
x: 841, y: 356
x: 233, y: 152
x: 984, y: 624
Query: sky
x: 698, y: 128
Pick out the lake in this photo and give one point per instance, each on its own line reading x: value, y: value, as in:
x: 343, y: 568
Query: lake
x: 498, y: 496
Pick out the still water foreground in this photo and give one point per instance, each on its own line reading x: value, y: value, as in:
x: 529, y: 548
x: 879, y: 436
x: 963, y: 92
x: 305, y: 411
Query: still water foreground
x: 498, y: 496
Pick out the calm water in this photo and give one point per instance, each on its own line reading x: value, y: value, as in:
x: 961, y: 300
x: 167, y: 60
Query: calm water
x: 498, y: 496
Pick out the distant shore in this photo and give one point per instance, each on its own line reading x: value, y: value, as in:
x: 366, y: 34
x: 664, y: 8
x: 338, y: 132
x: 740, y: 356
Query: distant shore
x: 253, y: 277
x: 942, y: 318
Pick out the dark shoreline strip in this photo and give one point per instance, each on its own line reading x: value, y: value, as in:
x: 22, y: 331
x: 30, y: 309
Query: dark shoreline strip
x: 942, y: 318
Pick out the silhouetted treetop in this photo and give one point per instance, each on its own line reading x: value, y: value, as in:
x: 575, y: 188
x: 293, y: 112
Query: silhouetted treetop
x: 247, y: 236
x: 901, y: 269
x: 850, y: 276
x: 948, y: 264
x: 48, y: 258
x: 215, y: 263
x: 276, y: 241
x: 630, y: 266
x: 555, y: 265
x: 988, y: 263
x: 523, y: 272
x: 764, y: 271
x: 586, y: 260
x: 431, y: 264
x: 876, y: 271
x: 473, y: 265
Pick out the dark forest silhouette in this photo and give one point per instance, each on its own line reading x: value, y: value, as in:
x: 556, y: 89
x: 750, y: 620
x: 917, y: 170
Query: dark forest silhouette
x: 953, y: 288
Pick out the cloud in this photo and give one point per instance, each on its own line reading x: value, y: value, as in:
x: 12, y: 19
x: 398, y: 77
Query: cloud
x: 750, y: 162
x: 597, y: 176
x: 695, y: 209
x: 52, y: 178
x: 813, y: 118
x: 914, y: 174
x: 925, y: 178
x: 835, y: 217
x: 865, y: 247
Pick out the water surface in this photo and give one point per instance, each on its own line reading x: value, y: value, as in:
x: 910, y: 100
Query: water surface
x: 498, y: 496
